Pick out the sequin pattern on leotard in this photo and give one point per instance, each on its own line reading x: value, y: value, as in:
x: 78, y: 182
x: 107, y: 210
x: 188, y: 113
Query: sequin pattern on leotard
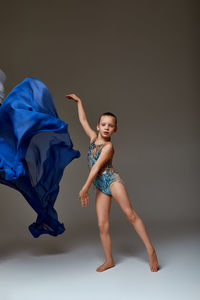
x: 107, y: 174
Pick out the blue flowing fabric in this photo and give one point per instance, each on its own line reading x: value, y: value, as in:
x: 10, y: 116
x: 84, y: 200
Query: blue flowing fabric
x: 35, y: 147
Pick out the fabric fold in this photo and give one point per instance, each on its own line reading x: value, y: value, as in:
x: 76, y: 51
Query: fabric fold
x: 35, y: 148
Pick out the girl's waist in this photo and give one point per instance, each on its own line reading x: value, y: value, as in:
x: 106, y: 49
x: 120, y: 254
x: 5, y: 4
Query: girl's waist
x: 104, y: 169
x: 107, y: 170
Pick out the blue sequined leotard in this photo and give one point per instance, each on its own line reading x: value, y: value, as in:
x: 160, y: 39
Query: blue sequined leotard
x: 107, y: 175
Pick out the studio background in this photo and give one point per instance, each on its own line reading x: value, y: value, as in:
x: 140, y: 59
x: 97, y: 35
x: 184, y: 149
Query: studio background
x: 137, y: 59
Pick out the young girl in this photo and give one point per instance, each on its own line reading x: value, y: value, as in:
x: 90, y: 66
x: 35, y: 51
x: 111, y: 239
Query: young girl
x: 108, y: 184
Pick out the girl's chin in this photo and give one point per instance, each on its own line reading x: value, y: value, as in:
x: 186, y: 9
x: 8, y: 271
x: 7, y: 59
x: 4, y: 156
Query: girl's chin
x: 106, y: 136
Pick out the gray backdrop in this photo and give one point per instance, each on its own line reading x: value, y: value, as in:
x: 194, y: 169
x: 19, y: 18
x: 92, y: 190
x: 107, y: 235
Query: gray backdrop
x: 137, y: 59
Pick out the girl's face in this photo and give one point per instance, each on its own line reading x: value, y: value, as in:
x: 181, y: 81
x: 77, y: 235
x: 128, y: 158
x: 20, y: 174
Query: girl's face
x: 106, y: 126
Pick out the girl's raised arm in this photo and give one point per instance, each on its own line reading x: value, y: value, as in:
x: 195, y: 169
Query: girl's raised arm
x: 82, y: 117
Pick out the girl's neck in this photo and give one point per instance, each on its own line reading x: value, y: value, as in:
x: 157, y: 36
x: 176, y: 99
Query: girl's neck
x: 101, y: 140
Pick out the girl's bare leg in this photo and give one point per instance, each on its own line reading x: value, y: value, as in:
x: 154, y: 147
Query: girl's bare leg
x: 103, y: 204
x: 119, y: 193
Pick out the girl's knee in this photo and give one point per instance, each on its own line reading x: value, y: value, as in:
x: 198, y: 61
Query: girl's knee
x: 103, y: 227
x: 131, y: 216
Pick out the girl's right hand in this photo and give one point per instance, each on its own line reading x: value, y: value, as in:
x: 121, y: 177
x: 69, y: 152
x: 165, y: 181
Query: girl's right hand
x: 73, y: 96
x: 84, y: 198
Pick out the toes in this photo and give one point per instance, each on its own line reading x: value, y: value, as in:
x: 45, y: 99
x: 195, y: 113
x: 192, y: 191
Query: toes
x: 154, y: 268
x: 104, y: 267
x: 99, y: 269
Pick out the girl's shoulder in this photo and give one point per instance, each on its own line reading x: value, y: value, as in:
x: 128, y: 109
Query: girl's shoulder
x: 109, y: 144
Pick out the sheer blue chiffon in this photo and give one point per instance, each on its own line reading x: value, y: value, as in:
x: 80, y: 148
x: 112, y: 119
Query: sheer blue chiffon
x: 35, y: 147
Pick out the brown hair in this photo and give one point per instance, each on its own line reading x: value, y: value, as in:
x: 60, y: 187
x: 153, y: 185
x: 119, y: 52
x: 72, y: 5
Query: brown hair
x: 109, y: 114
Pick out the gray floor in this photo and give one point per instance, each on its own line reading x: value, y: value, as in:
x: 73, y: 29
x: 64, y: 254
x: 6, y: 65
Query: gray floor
x: 64, y: 267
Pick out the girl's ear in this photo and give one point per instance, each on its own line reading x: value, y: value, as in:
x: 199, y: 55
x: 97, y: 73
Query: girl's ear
x: 97, y: 127
x: 115, y: 129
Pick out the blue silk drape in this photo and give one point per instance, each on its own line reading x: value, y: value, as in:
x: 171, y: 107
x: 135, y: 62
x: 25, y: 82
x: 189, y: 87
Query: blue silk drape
x: 35, y: 147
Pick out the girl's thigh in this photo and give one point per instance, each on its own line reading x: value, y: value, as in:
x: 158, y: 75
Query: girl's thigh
x: 103, y: 204
x: 120, y: 195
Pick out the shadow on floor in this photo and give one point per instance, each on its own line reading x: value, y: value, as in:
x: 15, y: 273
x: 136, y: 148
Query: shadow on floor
x: 125, y: 242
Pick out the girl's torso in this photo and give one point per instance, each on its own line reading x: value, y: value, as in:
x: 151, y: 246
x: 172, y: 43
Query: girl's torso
x: 107, y: 174
x: 93, y: 155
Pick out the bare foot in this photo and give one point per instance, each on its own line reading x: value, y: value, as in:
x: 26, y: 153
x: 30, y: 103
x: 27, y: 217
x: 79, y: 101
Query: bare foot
x: 153, y: 261
x: 105, y: 266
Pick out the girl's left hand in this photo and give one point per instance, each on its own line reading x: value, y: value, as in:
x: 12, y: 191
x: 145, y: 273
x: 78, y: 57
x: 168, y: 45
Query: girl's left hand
x: 73, y: 96
x: 84, y: 198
